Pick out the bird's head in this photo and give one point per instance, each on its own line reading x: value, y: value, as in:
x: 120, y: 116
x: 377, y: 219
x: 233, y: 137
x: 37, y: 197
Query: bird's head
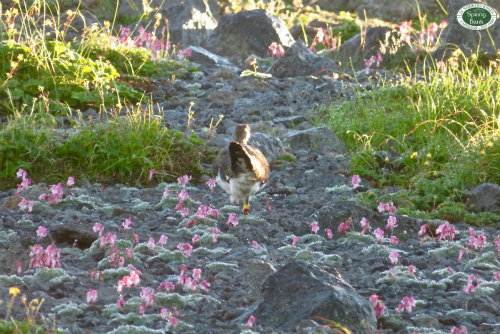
x: 241, y: 133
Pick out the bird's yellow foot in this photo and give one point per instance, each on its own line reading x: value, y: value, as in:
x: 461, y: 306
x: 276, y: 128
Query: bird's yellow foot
x: 246, y: 209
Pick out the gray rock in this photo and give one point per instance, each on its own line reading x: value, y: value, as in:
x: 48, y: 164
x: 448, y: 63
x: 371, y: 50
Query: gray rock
x: 248, y: 32
x: 299, y: 291
x: 321, y: 139
x: 299, y: 60
x: 454, y: 35
x: 355, y: 51
x: 485, y: 198
x: 203, y: 56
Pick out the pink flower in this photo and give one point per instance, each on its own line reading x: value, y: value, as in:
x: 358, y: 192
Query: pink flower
x: 450, y: 270
x: 250, y: 322
x: 295, y: 240
x: 48, y: 257
x: 162, y: 240
x: 205, y: 285
x: 164, y: 313
x: 186, y: 249
x: 127, y: 224
x: 151, y: 243
x: 21, y: 174
x: 26, y: 204
x: 329, y: 233
x: 232, y: 220
x: 496, y: 275
x: 314, y: 227
x: 165, y: 193
x: 183, y: 180
x: 41, y: 232
x: 460, y: 254
x: 169, y: 286
x: 446, y: 232
x: 211, y: 184
x: 215, y: 231
x: 355, y: 179
x: 394, y: 257
x: 471, y: 285
x: 378, y: 306
x: 478, y: 241
x: 275, y: 50
x: 255, y: 244
x: 443, y: 24
x: 174, y: 322
x: 411, y: 269
x: 121, y: 302
x: 91, y: 296
x: 23, y: 185
x: 391, y: 223
x: 19, y: 265
x: 461, y: 330
x: 379, y: 234
x: 151, y: 173
x: 386, y: 207
x: 195, y: 239
x: 378, y: 59
x: 344, y: 226
x: 423, y: 230
x: 365, y: 224
x: 407, y: 303
x: 147, y: 296
x: 394, y: 240
x: 71, y: 181
x: 183, y: 53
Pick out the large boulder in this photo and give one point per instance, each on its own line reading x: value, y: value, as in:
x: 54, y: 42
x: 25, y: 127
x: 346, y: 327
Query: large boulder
x: 298, y: 292
x: 485, y: 198
x: 299, y: 60
x: 454, y: 35
x: 245, y: 33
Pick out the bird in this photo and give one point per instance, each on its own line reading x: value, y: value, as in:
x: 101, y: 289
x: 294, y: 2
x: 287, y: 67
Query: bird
x: 240, y: 169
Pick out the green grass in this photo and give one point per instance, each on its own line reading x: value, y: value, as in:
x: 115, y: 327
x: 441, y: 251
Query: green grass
x: 118, y: 150
x: 434, y: 138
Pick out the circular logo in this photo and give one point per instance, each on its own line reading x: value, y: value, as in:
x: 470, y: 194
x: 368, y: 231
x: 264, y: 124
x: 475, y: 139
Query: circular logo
x: 476, y: 16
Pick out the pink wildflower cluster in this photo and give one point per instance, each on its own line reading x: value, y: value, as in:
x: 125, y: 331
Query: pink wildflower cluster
x: 472, y: 284
x: 387, y: 207
x: 185, y: 248
x: 232, y: 220
x: 373, y: 60
x: 425, y: 38
x: 314, y: 227
x: 143, y: 39
x: 91, y: 296
x: 344, y: 226
x: 391, y: 223
x: 394, y: 257
x: 55, y: 194
x: 476, y: 241
x: 365, y: 224
x: 193, y: 281
x: 379, y: 234
x: 275, y: 50
x: 355, y: 179
x: 25, y: 181
x: 211, y: 184
x: 329, y: 233
x: 147, y: 297
x: 326, y: 38
x: 133, y: 279
x: 214, y: 231
x: 446, y: 232
x: 461, y: 330
x: 205, y: 211
x: 171, y: 316
x: 182, y: 196
x: 294, y: 241
x: 48, y: 257
x: 109, y: 239
x: 408, y: 303
x: 378, y: 305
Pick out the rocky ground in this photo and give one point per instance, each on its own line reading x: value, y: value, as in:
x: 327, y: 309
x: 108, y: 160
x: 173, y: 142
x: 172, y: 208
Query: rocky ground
x: 279, y: 264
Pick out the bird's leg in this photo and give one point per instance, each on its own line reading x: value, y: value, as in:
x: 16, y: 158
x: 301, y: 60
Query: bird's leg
x: 246, y: 206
